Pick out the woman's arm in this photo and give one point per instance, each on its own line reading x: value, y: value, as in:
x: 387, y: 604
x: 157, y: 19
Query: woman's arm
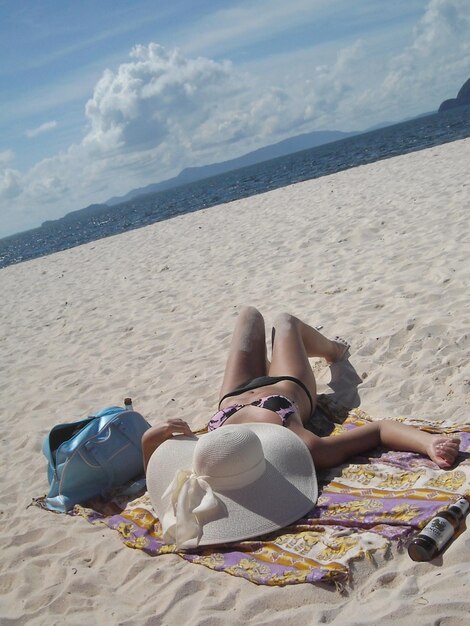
x: 156, y: 435
x: 331, y: 451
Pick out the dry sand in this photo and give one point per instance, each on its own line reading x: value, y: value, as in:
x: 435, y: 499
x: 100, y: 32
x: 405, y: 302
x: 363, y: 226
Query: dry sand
x: 378, y: 254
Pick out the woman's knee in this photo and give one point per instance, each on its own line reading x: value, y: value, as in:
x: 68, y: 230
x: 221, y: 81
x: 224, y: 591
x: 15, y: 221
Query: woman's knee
x: 284, y: 323
x: 250, y: 311
x: 250, y: 315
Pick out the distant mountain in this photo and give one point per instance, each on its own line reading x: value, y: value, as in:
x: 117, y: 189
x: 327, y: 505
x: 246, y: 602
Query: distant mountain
x: 283, y: 148
x: 405, y: 119
x: 92, y: 209
x: 462, y: 99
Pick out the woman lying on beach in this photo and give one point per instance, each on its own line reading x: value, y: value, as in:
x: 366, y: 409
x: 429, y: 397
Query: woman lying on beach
x: 283, y: 392
x: 254, y: 471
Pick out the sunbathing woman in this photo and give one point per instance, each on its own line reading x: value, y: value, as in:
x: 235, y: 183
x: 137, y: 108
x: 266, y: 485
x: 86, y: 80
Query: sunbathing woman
x: 283, y: 392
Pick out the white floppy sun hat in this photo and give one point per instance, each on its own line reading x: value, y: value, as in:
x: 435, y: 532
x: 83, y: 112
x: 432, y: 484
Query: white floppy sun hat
x: 233, y: 483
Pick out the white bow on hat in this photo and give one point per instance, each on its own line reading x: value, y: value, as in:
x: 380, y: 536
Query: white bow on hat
x: 187, y: 500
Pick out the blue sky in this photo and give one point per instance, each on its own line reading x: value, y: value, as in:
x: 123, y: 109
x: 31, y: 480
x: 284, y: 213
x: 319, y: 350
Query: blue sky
x: 98, y: 98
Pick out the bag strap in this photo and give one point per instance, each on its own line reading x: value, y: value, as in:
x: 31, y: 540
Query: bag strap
x: 63, y: 432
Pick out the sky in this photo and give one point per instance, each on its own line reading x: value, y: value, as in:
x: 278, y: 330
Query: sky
x: 101, y: 97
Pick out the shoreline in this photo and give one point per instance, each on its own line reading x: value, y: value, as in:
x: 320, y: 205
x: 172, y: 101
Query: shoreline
x: 377, y: 254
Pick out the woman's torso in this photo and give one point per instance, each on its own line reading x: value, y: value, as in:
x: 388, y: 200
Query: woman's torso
x: 248, y: 413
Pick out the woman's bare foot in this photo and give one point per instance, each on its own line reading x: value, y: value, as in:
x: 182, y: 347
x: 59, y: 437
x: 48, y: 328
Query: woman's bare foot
x: 444, y: 450
x: 340, y: 349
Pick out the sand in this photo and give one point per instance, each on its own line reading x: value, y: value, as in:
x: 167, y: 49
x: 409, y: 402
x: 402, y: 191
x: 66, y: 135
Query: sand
x: 378, y: 254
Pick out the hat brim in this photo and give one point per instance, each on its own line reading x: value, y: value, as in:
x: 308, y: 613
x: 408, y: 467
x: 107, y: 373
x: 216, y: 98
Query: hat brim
x: 285, y: 492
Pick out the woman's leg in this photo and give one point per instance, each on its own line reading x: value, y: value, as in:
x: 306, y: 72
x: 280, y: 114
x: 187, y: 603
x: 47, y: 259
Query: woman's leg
x: 293, y: 343
x: 247, y: 357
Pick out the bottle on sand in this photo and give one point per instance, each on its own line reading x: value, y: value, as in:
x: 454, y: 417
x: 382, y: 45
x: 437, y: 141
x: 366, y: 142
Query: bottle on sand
x: 438, y: 532
x: 128, y: 404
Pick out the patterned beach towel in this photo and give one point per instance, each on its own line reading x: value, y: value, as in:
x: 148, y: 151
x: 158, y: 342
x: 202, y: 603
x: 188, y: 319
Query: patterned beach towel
x: 376, y: 500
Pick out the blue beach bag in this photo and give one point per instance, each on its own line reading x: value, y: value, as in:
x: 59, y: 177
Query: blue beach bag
x: 92, y: 456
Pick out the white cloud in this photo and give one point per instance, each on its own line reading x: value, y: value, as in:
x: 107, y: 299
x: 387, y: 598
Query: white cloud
x: 158, y: 94
x: 6, y: 156
x: 440, y: 47
x: 10, y: 183
x: 368, y: 82
x: 40, y: 130
x: 444, y: 22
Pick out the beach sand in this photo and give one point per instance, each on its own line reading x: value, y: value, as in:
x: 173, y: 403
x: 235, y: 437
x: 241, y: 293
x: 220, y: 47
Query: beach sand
x: 378, y: 254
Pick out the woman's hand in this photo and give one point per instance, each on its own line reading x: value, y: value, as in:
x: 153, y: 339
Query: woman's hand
x: 168, y: 429
x: 444, y: 450
x: 156, y: 435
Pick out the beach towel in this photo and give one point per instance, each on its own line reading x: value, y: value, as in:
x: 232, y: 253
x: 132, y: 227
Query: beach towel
x: 374, y: 502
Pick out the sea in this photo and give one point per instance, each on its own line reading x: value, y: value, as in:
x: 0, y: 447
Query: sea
x: 81, y: 227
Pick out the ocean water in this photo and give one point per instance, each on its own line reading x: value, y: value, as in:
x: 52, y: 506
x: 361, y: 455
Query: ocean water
x: 78, y: 228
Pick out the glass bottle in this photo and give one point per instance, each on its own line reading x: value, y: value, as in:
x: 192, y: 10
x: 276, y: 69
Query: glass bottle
x: 128, y: 404
x: 438, y: 532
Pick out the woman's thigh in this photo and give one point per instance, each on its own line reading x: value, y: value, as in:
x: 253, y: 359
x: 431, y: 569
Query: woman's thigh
x: 289, y: 358
x: 247, y: 355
